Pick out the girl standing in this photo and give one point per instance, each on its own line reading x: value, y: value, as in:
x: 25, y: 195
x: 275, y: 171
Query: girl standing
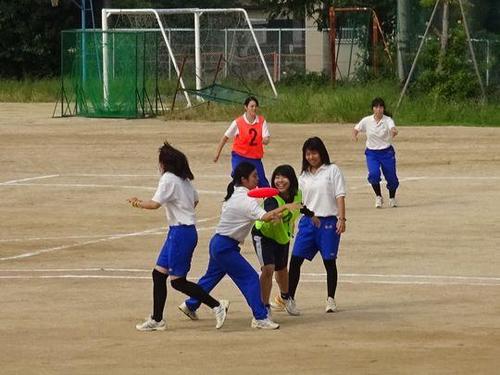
x: 176, y: 193
x: 250, y: 132
x: 380, y: 130
x: 271, y: 240
x: 239, y: 212
x: 323, y: 191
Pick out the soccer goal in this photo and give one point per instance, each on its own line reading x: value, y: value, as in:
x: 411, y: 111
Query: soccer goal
x: 198, y: 48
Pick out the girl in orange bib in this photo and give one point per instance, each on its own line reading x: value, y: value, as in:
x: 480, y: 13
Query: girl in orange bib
x: 250, y: 132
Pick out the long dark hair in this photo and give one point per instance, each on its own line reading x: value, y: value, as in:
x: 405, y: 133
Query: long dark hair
x: 242, y: 170
x: 314, y: 144
x: 288, y: 172
x: 174, y: 161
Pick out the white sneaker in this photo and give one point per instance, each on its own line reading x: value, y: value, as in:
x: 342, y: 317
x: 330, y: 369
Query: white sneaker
x: 393, y: 202
x: 264, y: 324
x: 221, y: 313
x: 291, y: 307
x: 189, y: 313
x: 379, y: 201
x: 331, y: 306
x: 278, y: 304
x: 151, y: 325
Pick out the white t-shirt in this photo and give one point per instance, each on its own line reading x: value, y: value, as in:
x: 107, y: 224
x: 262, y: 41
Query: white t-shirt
x: 378, y: 134
x: 232, y: 131
x: 320, y: 189
x: 239, y: 214
x: 178, y: 196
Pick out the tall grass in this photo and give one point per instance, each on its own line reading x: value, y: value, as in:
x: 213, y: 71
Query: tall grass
x: 44, y: 90
x: 304, y: 103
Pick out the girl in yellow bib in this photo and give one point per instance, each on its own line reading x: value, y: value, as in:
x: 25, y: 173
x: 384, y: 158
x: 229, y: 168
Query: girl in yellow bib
x: 250, y: 132
x: 271, y: 239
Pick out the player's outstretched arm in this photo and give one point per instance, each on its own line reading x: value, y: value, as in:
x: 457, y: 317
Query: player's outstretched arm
x: 148, y: 205
x: 220, y: 146
x: 275, y: 214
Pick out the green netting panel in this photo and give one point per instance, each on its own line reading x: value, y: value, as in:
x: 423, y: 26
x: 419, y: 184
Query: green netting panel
x: 132, y: 73
x: 222, y: 94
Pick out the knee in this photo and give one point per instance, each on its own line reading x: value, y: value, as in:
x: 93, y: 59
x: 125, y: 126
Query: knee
x: 267, y: 271
x: 159, y: 276
x: 296, y: 262
x: 330, y: 265
x: 179, y: 283
x: 373, y: 176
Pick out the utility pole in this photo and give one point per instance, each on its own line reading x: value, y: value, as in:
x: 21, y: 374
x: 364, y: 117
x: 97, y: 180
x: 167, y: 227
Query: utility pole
x: 402, y: 37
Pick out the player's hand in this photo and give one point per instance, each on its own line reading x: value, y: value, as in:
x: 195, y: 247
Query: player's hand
x: 340, y: 226
x: 216, y: 158
x: 316, y: 221
x: 276, y: 218
x: 293, y: 206
x: 134, y: 201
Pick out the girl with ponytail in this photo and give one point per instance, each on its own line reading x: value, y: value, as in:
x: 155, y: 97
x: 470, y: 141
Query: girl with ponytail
x: 239, y: 212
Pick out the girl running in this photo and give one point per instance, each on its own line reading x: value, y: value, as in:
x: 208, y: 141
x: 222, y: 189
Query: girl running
x: 239, y: 212
x: 380, y: 130
x: 176, y: 193
x: 271, y: 240
x: 323, y: 191
x: 250, y: 132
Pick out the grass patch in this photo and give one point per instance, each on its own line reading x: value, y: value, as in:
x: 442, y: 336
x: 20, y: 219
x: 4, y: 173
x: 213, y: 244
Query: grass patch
x: 307, y: 103
x: 27, y: 91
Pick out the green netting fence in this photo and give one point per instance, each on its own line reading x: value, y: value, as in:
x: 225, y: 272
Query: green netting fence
x: 110, y: 74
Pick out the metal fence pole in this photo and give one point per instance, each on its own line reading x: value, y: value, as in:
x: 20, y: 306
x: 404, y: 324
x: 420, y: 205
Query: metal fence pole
x: 225, y: 53
x: 279, y: 55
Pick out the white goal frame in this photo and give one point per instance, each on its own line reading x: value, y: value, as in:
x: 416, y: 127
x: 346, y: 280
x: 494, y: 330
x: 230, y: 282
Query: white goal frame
x: 196, y: 12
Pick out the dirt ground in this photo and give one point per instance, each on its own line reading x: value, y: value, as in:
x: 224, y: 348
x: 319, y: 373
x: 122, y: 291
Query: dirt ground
x: 419, y: 285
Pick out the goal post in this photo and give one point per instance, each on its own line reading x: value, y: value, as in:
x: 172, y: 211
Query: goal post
x: 158, y: 20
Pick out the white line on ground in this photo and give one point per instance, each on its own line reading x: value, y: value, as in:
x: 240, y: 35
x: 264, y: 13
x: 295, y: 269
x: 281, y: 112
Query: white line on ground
x: 312, y: 276
x: 214, y: 192
x: 88, y: 186
x: 358, y: 280
x: 160, y: 230
x: 11, y: 182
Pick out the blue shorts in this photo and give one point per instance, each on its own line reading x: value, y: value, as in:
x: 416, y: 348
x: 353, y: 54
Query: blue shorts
x: 311, y: 239
x: 178, y: 249
x: 257, y: 163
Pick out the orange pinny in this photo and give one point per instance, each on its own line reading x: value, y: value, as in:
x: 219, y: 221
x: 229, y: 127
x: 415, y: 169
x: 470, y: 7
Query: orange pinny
x: 248, y: 141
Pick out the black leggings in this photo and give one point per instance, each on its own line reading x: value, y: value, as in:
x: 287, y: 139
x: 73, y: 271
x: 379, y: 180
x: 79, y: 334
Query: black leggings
x: 294, y: 275
x: 180, y: 284
x: 194, y: 290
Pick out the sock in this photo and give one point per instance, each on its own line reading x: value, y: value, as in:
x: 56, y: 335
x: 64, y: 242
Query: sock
x: 194, y: 290
x: 392, y: 193
x: 285, y: 296
x: 376, y: 189
x: 159, y: 294
x: 331, y: 276
x: 294, y: 274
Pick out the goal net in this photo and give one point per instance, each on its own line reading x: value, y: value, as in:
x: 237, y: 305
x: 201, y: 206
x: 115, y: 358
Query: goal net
x: 197, y: 48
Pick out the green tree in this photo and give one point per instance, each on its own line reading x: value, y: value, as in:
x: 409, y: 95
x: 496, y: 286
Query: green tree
x: 29, y: 45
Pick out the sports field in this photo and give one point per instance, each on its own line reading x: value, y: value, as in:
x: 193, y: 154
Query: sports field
x: 419, y: 285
